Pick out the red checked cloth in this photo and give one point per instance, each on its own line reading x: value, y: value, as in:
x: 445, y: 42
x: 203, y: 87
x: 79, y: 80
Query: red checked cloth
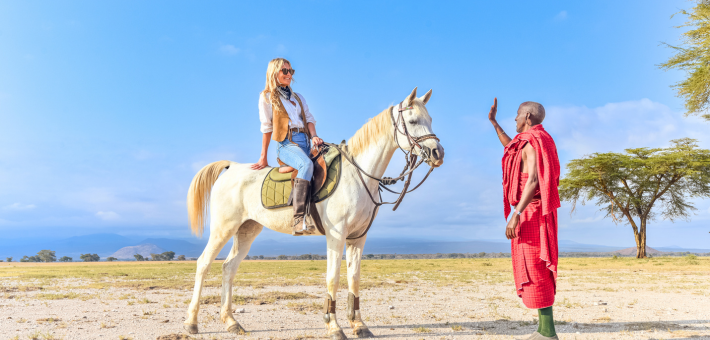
x: 535, y: 250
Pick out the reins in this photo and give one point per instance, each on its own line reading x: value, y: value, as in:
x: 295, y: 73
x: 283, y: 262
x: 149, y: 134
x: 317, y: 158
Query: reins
x: 411, y: 164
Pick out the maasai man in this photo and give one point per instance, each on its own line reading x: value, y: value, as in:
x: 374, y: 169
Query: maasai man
x: 531, y: 174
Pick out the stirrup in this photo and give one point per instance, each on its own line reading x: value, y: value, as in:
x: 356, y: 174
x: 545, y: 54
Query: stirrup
x: 298, y: 232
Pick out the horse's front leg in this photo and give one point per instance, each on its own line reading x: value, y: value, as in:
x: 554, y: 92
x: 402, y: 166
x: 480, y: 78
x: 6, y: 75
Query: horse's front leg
x: 354, y: 255
x: 336, y: 241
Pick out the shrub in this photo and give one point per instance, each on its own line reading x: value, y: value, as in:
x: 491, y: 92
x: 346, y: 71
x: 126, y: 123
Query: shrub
x: 66, y: 259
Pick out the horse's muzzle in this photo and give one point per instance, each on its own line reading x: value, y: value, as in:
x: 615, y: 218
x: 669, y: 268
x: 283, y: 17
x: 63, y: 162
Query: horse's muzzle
x: 436, y: 156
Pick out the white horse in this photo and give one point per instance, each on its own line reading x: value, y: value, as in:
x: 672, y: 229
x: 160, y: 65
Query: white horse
x: 236, y: 210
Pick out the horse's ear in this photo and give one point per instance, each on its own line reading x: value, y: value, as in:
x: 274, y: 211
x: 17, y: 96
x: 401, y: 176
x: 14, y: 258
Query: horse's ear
x: 410, y: 99
x: 426, y: 97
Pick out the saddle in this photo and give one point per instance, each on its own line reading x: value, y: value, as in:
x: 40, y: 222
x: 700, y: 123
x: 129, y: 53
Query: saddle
x: 327, y: 166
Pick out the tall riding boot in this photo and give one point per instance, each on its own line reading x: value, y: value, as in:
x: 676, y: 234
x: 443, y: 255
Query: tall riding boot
x: 310, y: 225
x: 300, y: 199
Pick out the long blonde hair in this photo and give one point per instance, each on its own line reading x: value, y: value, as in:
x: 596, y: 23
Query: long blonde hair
x: 272, y: 72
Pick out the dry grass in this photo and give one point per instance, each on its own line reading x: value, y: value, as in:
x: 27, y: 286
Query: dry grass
x: 398, y: 274
x: 305, y: 307
x: 261, y: 299
x: 421, y: 330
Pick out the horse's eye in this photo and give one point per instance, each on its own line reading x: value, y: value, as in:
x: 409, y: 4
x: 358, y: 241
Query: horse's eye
x: 412, y: 121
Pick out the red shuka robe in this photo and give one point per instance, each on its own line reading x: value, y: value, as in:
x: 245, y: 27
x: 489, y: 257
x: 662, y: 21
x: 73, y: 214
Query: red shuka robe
x: 535, y: 250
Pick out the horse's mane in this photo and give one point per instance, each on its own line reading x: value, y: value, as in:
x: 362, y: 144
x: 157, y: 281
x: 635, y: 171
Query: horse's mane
x: 370, y: 132
x: 378, y: 126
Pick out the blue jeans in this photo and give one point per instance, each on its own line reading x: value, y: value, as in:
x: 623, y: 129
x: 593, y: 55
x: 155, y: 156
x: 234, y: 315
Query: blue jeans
x: 296, y: 154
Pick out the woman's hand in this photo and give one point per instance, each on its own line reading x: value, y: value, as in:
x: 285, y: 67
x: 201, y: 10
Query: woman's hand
x: 262, y: 163
x: 317, y: 141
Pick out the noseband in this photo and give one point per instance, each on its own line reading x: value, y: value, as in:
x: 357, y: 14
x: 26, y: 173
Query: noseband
x: 411, y: 164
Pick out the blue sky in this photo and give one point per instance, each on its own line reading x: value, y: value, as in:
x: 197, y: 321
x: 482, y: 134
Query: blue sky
x: 108, y: 109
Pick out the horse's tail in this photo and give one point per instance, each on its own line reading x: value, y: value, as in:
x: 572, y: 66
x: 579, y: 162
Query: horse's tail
x: 198, y: 196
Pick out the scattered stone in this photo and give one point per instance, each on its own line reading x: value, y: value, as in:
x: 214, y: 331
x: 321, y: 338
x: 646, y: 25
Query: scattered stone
x: 241, y: 310
x: 391, y: 307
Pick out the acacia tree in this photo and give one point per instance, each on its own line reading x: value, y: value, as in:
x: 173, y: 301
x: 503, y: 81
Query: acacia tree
x: 47, y: 256
x: 693, y: 57
x: 90, y: 257
x: 640, y: 185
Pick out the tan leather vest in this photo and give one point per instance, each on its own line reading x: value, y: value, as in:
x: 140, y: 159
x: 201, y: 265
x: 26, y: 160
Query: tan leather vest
x: 281, y: 121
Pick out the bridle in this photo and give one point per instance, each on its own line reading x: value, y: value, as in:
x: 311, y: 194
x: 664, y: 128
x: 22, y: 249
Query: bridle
x: 411, y: 164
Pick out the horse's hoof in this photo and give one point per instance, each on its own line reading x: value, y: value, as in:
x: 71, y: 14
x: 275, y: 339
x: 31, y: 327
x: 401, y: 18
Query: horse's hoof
x: 236, y: 329
x: 339, y: 335
x: 363, y: 332
x: 192, y: 329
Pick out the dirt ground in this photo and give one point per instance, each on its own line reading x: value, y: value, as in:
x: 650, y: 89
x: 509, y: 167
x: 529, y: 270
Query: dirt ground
x: 596, y: 304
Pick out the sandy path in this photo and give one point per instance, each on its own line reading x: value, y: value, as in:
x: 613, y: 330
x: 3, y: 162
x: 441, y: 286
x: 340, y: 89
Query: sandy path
x: 422, y: 310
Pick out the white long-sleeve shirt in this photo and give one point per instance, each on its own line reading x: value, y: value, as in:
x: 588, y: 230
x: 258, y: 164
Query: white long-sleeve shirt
x: 292, y: 108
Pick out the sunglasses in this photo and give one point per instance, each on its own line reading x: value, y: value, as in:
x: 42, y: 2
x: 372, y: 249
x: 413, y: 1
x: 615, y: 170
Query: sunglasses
x: 286, y: 71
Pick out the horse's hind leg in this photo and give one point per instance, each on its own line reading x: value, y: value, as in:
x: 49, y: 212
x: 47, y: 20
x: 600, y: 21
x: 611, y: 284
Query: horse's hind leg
x: 242, y: 242
x: 214, y: 245
x: 353, y: 256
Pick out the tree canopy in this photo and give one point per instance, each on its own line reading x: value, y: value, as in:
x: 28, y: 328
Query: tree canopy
x: 90, y: 257
x: 693, y: 57
x: 641, y: 184
x: 166, y: 256
x: 47, y: 256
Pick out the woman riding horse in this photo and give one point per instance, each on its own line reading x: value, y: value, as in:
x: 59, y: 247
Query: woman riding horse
x: 285, y: 118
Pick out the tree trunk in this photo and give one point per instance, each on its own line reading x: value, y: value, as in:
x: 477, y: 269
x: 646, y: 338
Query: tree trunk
x: 641, y: 240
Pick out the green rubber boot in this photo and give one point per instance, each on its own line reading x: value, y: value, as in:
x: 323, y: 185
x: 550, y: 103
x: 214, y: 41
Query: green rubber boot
x: 546, y: 326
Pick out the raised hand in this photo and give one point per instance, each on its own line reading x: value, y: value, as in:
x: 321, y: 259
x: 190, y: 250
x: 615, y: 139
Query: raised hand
x: 494, y: 110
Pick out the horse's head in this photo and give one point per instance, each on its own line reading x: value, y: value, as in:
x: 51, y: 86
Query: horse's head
x: 415, y: 117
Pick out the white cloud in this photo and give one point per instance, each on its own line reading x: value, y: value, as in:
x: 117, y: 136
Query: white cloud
x: 561, y: 16
x: 580, y: 131
x: 19, y: 207
x: 590, y: 219
x: 107, y: 215
x: 229, y: 49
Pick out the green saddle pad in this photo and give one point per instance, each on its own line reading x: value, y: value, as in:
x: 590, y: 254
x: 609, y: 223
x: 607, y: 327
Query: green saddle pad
x: 276, y: 188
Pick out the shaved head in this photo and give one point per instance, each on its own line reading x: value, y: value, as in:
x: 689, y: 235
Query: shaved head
x: 536, y: 111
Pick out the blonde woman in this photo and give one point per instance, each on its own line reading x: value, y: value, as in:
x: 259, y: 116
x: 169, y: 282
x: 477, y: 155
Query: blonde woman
x: 285, y: 118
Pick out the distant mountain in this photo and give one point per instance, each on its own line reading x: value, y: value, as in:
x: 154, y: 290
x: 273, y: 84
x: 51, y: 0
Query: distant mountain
x: 112, y: 244
x: 180, y: 247
x: 633, y: 251
x: 681, y: 249
x: 102, y: 244
x: 126, y: 253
